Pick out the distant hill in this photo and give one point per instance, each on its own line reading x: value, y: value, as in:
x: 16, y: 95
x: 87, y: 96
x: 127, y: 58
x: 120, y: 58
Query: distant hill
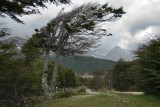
x: 83, y: 64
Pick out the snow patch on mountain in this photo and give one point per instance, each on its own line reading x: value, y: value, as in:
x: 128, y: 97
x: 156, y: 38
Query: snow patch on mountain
x: 18, y: 41
x: 117, y: 53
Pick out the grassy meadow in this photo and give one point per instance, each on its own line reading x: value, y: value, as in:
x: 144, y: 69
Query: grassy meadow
x: 110, y: 99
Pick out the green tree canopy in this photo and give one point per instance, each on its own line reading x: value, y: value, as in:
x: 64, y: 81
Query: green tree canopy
x: 14, y: 8
x: 18, y: 80
x: 32, y: 49
x: 126, y: 75
x: 149, y: 57
x: 66, y: 78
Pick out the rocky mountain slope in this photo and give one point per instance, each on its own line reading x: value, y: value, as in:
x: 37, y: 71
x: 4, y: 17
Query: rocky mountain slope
x: 117, y: 52
x: 18, y: 41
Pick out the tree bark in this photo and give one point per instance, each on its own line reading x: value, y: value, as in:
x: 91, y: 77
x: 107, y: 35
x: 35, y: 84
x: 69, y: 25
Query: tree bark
x: 45, y: 86
x: 61, y: 45
x: 55, y: 71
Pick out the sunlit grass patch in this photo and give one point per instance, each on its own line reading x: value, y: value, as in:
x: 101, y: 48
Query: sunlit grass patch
x: 106, y: 100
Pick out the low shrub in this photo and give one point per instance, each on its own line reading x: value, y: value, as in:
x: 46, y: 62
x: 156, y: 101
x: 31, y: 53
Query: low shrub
x: 64, y: 94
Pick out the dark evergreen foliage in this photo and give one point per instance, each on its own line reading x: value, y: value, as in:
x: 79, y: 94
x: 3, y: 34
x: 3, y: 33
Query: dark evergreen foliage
x: 32, y: 49
x: 18, y: 81
x: 14, y: 8
x: 149, y: 57
x: 97, y: 82
x: 126, y: 76
x: 67, y: 78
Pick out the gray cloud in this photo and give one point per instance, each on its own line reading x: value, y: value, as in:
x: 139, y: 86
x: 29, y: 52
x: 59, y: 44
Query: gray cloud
x: 142, y: 17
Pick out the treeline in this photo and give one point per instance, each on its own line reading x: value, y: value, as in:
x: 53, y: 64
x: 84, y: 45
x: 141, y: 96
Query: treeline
x: 123, y: 76
x: 21, y: 74
x: 141, y: 74
x: 126, y: 76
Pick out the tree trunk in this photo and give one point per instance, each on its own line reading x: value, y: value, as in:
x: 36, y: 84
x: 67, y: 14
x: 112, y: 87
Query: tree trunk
x: 45, y: 86
x: 55, y: 71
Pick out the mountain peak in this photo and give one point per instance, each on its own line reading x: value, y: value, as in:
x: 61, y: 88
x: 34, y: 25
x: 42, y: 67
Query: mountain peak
x: 15, y: 39
x: 117, y: 47
x: 118, y: 52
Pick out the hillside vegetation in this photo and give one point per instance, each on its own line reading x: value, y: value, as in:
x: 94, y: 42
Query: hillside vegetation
x: 84, y: 64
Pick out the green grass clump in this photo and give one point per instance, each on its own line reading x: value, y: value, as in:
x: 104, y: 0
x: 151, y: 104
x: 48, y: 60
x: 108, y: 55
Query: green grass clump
x: 106, y: 100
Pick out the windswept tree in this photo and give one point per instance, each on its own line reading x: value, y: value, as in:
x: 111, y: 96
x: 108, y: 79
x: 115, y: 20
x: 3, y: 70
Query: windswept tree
x: 75, y: 33
x: 14, y: 8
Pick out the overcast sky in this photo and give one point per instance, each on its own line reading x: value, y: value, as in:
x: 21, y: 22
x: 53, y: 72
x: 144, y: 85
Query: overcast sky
x: 142, y: 17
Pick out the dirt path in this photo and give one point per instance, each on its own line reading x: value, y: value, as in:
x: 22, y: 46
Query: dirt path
x: 88, y: 91
x: 133, y: 93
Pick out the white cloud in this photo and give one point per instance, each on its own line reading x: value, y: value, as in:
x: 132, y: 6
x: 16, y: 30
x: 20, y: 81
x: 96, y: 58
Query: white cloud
x: 142, y: 17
